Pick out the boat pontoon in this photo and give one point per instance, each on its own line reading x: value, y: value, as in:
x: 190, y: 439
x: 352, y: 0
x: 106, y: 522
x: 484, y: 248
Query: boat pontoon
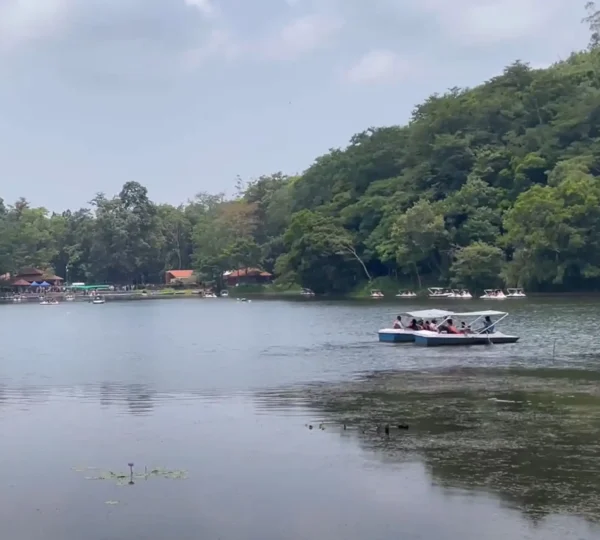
x: 405, y: 335
x: 486, y: 335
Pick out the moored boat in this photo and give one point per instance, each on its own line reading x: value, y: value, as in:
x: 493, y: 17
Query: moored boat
x: 98, y: 300
x: 406, y: 294
x: 487, y: 335
x: 460, y: 293
x: 224, y: 293
x: 376, y: 293
x: 438, y: 292
x: 515, y: 293
x: 307, y: 292
x: 406, y: 335
x: 493, y: 294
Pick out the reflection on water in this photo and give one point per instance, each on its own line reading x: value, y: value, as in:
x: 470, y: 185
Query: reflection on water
x: 223, y: 391
x: 530, y: 436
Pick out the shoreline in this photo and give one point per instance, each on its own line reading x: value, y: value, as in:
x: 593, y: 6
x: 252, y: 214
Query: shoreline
x: 268, y: 295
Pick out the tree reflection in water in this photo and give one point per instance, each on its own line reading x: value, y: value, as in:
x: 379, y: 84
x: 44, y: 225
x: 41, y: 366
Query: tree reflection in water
x: 528, y: 436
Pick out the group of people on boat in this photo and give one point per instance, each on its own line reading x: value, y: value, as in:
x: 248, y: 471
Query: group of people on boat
x: 447, y: 326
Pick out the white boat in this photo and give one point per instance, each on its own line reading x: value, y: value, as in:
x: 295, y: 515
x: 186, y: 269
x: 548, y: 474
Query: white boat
x: 493, y: 294
x: 69, y: 298
x: 98, y: 300
x: 486, y: 335
x: 51, y: 302
x: 307, y: 292
x: 210, y: 295
x: 405, y: 335
x: 460, y: 293
x: 376, y: 293
x: 406, y: 294
x: 224, y: 293
x: 438, y: 292
x: 515, y: 293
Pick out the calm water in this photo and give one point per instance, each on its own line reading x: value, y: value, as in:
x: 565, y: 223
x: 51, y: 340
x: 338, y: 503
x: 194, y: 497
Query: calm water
x: 212, y: 398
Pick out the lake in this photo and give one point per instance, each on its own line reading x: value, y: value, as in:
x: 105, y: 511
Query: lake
x: 211, y: 401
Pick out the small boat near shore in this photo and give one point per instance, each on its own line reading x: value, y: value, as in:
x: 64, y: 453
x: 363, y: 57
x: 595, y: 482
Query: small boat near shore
x: 488, y: 335
x: 308, y: 293
x: 515, y: 293
x: 224, y: 293
x: 438, y: 292
x: 406, y: 335
x: 376, y: 293
x: 98, y: 300
x: 460, y: 293
x: 493, y: 294
x: 406, y: 294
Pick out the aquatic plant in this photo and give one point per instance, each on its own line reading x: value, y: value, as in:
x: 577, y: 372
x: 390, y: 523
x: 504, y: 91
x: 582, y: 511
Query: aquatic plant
x: 122, y: 478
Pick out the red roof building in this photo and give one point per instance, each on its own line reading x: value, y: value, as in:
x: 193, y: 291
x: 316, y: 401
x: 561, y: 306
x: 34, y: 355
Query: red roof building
x: 247, y: 276
x: 178, y: 275
x: 33, y: 274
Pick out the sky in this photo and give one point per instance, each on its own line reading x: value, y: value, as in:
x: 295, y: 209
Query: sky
x: 184, y: 96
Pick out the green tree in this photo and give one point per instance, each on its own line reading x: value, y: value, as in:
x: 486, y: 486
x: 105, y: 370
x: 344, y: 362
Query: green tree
x: 478, y: 266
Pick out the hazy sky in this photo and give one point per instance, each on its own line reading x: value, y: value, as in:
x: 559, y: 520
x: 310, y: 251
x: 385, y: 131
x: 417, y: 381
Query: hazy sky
x: 183, y: 95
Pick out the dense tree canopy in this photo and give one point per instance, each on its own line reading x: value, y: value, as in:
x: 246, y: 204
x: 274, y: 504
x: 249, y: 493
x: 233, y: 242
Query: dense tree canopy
x: 493, y: 185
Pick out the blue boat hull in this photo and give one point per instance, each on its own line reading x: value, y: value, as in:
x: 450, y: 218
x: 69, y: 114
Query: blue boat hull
x: 395, y: 337
x: 439, y: 340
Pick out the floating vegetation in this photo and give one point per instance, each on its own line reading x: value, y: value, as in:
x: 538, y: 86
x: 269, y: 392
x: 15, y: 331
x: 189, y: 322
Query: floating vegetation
x: 123, y: 478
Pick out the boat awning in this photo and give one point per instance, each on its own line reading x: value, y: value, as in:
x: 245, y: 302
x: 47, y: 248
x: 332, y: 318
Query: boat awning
x: 429, y: 314
x: 489, y: 313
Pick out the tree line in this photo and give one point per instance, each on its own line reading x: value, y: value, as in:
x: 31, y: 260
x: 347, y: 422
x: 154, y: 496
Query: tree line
x: 490, y: 186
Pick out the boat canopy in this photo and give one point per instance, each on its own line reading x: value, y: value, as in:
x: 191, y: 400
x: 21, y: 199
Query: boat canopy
x: 489, y: 313
x: 429, y: 314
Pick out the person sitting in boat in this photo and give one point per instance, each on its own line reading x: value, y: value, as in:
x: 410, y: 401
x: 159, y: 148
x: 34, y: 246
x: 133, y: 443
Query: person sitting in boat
x: 488, y: 326
x: 427, y: 325
x: 433, y: 326
x: 398, y: 323
x: 448, y: 328
x: 413, y: 325
x: 464, y: 329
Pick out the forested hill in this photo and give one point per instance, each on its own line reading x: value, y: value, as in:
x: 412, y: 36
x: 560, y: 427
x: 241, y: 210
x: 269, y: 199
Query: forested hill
x: 493, y: 185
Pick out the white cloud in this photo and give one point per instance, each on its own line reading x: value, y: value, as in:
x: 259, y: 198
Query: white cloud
x: 26, y: 20
x: 491, y: 21
x: 377, y: 66
x: 303, y: 35
x: 219, y: 44
x: 206, y: 7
